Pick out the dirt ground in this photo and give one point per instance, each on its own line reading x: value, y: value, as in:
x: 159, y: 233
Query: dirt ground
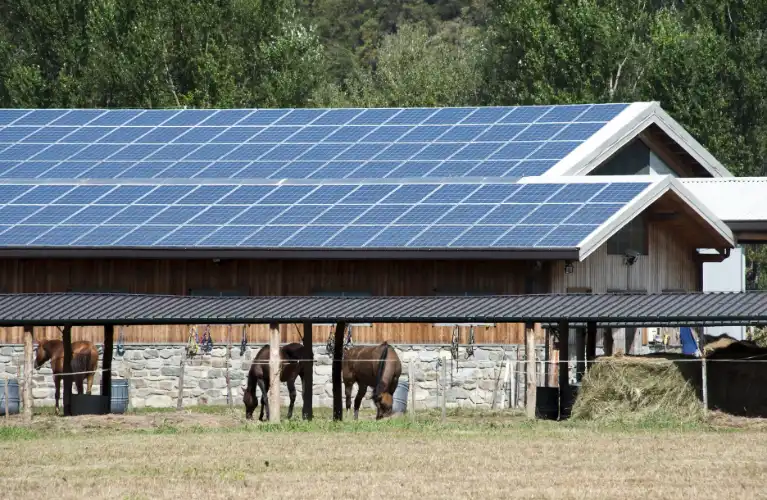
x: 215, y: 454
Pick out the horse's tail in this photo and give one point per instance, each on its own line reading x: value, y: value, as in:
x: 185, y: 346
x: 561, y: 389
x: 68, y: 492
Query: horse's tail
x: 381, y: 368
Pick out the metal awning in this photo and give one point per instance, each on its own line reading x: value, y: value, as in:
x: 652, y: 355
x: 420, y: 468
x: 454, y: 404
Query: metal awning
x: 627, y: 309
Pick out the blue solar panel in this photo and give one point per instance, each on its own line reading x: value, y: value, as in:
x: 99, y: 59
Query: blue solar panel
x: 492, y: 169
x: 186, y: 236
x: 480, y: 236
x: 28, y: 170
x: 53, y: 214
x: 423, y: 214
x: 392, y: 135
x: 406, y: 169
x: 437, y: 236
x: 372, y: 215
x: 145, y: 236
x: 69, y: 170
x: 228, y: 236
x: 353, y: 236
x: 551, y: 214
x: 143, y: 170
x: 14, y: 214
x: 453, y: 169
x: 567, y: 236
x: 620, y: 192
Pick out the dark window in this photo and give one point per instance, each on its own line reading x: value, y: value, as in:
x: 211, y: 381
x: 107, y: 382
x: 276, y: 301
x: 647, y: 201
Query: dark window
x: 632, y: 236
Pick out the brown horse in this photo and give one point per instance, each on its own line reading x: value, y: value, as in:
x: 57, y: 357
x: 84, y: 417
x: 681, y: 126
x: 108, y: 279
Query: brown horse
x: 378, y: 367
x: 291, y: 367
x: 85, y: 357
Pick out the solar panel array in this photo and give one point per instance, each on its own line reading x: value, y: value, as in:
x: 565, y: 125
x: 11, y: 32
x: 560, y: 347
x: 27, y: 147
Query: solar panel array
x: 294, y: 143
x: 322, y: 215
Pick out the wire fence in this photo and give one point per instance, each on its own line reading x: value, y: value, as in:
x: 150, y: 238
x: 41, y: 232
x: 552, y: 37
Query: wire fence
x: 430, y: 379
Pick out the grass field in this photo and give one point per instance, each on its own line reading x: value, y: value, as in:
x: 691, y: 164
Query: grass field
x: 213, y: 453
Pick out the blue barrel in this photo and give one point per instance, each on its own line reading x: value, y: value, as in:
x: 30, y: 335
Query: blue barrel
x: 14, y: 398
x: 400, y: 395
x: 119, y: 402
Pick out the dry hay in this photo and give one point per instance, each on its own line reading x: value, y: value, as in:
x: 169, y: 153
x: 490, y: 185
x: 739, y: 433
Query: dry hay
x: 670, y: 385
x: 619, y: 388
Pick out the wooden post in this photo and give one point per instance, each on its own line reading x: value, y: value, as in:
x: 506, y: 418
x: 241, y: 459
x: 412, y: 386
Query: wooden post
x: 338, y: 354
x: 67, y: 337
x: 180, y: 398
x: 591, y: 344
x: 532, y: 386
x: 129, y: 376
x: 411, y: 388
x: 106, y: 365
x: 5, y: 401
x: 608, y: 342
x: 274, y: 373
x: 564, y: 370
x: 547, y: 357
x: 307, y: 379
x: 29, y: 363
x: 703, y: 370
x: 444, y: 390
x: 229, y: 362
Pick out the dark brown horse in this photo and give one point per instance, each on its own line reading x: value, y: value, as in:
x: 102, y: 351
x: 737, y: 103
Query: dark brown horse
x: 378, y: 367
x: 291, y: 367
x: 85, y: 358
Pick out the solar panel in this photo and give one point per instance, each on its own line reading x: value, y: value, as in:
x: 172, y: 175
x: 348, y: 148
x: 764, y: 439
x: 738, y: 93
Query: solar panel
x: 392, y: 135
x: 319, y: 215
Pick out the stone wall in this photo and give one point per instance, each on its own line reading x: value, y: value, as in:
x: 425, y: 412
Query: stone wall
x: 154, y: 370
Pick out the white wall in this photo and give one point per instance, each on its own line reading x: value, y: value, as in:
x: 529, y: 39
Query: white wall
x: 726, y: 276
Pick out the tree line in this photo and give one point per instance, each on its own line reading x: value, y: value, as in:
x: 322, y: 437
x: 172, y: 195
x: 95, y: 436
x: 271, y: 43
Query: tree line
x: 704, y: 61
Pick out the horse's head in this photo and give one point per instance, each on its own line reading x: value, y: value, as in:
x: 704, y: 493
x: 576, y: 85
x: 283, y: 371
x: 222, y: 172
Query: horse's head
x: 250, y: 401
x: 41, y: 354
x: 384, y: 403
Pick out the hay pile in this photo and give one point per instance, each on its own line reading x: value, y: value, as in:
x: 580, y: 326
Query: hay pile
x: 669, y: 386
x: 638, y: 388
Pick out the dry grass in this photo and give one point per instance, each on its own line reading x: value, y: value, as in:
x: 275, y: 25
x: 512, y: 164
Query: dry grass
x: 216, y: 455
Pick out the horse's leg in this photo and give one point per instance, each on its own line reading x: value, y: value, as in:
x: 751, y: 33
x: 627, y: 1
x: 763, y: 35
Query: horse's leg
x: 264, y: 400
x: 90, y: 382
x: 348, y: 389
x: 79, y: 383
x: 57, y: 384
x: 292, y: 393
x: 361, y: 390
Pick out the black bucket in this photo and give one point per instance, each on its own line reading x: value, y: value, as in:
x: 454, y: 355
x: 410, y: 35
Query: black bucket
x: 547, y: 403
x: 568, y: 399
x: 89, y: 404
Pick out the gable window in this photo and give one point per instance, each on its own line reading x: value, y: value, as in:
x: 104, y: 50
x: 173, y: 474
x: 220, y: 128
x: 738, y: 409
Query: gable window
x: 632, y: 236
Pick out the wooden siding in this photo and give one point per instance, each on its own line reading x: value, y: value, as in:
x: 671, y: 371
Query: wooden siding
x: 668, y: 265
x: 277, y: 277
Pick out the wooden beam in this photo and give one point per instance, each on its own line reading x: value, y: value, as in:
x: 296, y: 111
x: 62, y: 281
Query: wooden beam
x: 564, y: 356
x: 106, y: 365
x: 532, y: 386
x: 591, y: 344
x: 274, y: 373
x: 29, y: 364
x: 580, y: 353
x: 338, y: 354
x: 307, y: 379
x: 608, y: 342
x: 67, y: 378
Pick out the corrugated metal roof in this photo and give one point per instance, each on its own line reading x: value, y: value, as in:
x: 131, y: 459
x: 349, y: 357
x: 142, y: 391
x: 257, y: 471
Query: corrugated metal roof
x: 732, y: 199
x: 606, y: 309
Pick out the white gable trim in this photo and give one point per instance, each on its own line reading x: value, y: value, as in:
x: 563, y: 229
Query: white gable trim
x: 621, y: 130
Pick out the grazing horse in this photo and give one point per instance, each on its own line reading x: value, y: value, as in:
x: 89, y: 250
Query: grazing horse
x: 291, y: 367
x: 85, y: 357
x: 378, y: 367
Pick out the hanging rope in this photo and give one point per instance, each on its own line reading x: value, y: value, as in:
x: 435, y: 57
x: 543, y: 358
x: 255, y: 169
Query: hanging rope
x: 454, y: 344
x: 121, y: 342
x: 206, y: 343
x: 349, y: 342
x: 331, y: 343
x: 244, y: 341
x: 471, y: 344
x: 192, y: 345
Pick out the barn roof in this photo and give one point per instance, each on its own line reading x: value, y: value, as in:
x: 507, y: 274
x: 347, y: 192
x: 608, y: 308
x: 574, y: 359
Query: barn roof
x: 432, y: 181
x: 666, y: 309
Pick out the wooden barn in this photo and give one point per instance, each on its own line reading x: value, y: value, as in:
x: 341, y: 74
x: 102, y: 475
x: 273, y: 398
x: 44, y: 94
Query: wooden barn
x: 364, y: 202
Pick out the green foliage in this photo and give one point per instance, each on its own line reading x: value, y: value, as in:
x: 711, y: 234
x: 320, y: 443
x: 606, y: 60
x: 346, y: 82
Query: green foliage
x: 152, y: 53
